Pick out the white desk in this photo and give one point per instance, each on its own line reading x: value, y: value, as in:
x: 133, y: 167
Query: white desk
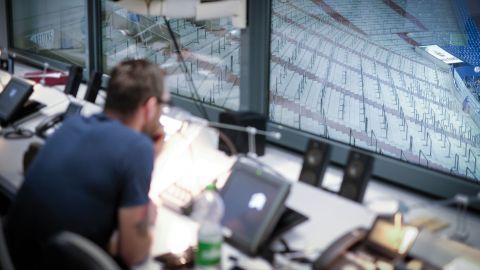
x: 330, y: 216
x: 11, y: 163
x: 55, y: 101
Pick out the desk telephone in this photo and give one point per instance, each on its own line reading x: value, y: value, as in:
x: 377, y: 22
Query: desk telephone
x: 48, y: 126
x: 339, y: 248
x: 384, y: 246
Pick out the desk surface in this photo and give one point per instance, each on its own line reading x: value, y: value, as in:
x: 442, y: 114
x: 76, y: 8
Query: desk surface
x: 330, y: 216
x: 11, y: 164
x: 55, y: 101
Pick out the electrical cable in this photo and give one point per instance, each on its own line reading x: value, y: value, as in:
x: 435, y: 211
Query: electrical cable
x: 262, y: 165
x: 292, y: 255
x: 193, y: 89
x: 228, y: 143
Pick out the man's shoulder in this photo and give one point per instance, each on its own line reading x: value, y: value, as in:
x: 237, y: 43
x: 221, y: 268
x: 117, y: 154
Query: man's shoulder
x: 105, y: 131
x: 120, y: 133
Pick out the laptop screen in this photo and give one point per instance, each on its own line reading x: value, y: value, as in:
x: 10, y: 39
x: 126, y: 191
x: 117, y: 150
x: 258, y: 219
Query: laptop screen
x: 248, y: 199
x: 13, y: 97
x: 254, y: 200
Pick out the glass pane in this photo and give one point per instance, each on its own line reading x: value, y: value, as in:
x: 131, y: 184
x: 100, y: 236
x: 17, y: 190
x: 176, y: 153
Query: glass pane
x: 51, y: 28
x: 379, y: 75
x: 210, y: 49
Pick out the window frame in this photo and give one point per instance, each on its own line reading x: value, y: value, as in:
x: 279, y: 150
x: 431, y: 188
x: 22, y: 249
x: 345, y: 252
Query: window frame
x: 254, y: 96
x: 4, y: 24
x: 35, y: 60
x: 94, y: 35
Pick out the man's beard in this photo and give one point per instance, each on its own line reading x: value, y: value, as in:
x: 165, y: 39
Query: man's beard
x: 150, y: 129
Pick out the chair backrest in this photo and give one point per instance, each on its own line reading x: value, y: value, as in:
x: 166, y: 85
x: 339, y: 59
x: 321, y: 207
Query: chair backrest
x: 5, y: 259
x: 69, y: 250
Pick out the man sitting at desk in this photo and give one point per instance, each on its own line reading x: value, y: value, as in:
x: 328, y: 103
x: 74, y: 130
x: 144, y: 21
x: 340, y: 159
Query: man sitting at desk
x: 92, y: 177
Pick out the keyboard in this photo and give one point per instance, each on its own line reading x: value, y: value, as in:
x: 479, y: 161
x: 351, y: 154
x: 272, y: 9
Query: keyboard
x: 178, y: 198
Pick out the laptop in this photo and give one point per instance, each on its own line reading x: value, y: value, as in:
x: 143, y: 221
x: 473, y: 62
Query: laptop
x: 254, y: 199
x: 12, y: 99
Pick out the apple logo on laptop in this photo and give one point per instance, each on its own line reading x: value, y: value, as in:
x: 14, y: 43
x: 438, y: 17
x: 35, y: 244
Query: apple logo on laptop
x: 12, y: 93
x: 257, y: 201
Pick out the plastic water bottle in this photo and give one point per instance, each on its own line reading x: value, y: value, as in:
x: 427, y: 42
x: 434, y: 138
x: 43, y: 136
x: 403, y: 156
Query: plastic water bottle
x: 208, y: 210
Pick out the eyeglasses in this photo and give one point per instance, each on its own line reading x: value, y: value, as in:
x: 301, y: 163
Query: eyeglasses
x: 17, y: 133
x: 163, y: 102
x: 160, y: 102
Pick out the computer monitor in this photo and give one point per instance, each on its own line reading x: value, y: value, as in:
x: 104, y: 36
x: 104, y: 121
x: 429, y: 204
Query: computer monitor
x: 254, y: 200
x: 12, y: 98
x: 393, y: 240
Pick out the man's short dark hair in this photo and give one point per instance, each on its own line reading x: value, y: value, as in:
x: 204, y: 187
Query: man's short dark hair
x: 132, y: 82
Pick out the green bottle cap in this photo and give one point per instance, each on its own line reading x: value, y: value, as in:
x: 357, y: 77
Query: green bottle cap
x: 211, y: 187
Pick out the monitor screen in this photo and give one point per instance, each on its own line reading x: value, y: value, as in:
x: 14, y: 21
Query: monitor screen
x: 396, y: 239
x: 13, y: 97
x: 254, y: 200
x: 248, y: 200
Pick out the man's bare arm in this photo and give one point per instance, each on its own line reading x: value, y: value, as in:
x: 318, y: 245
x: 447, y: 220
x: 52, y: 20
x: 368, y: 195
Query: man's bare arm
x: 135, y: 237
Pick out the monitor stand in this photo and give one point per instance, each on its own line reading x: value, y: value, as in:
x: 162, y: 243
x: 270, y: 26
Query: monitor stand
x: 288, y: 220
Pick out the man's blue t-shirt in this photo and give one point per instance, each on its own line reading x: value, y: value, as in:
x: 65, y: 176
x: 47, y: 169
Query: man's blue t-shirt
x: 86, y: 171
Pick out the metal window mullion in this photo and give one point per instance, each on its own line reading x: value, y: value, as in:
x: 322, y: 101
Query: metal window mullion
x: 94, y: 35
x: 4, y: 24
x: 255, y: 58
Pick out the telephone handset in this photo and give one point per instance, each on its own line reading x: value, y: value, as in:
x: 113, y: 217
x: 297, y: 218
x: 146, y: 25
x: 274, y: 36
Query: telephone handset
x: 48, y: 124
x: 335, y: 251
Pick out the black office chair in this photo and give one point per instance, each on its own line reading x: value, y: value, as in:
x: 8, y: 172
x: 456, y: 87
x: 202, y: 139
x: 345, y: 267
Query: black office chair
x: 71, y: 251
x: 5, y: 259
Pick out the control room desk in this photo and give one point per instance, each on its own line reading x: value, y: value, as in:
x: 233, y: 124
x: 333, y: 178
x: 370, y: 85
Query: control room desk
x: 329, y: 215
x: 11, y: 151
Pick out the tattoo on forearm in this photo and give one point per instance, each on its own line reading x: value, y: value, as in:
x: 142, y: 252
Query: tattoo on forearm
x: 144, y: 224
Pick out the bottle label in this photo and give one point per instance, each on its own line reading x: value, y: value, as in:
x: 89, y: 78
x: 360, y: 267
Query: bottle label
x: 208, y: 254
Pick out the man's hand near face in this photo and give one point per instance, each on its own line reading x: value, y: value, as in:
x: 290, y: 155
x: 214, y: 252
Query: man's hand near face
x: 158, y: 141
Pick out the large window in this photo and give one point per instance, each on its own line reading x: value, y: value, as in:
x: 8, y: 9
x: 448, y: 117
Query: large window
x: 365, y: 74
x: 210, y: 48
x: 51, y: 28
x: 355, y: 72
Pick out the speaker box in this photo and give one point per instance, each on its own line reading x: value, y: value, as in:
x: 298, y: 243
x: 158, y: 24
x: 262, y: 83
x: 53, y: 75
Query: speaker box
x: 74, y: 80
x: 93, y: 86
x: 315, y: 161
x: 240, y: 138
x: 356, y: 176
x: 7, y: 64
